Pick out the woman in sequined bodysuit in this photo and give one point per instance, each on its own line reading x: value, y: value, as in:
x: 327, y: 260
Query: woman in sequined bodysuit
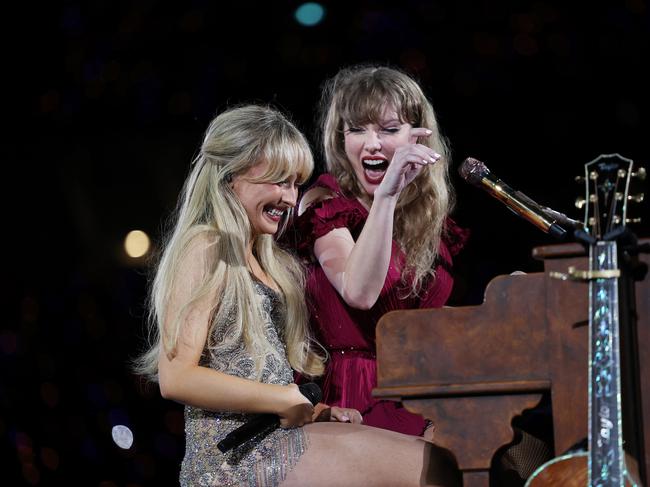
x: 230, y: 326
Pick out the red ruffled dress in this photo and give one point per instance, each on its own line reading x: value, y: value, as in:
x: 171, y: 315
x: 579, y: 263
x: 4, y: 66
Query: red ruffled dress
x: 348, y: 333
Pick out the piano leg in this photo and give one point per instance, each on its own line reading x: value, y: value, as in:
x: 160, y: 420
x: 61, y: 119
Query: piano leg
x: 476, y: 479
x: 473, y: 428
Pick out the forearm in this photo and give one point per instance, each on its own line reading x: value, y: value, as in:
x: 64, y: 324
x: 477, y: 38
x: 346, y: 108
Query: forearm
x: 212, y: 390
x: 367, y: 265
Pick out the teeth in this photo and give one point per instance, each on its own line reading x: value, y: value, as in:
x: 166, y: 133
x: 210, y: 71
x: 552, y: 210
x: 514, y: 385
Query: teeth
x: 275, y: 212
x: 373, y: 162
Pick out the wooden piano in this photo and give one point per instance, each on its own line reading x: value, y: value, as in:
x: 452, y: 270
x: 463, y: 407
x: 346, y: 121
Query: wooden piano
x: 472, y: 369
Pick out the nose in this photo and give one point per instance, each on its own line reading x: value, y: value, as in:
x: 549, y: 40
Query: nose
x: 371, y: 142
x: 290, y: 195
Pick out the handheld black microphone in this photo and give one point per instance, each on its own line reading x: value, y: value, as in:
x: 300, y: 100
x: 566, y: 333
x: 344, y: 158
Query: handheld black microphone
x: 264, y: 423
x: 476, y: 173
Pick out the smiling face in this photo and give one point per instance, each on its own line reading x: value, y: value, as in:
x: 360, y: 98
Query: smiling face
x: 370, y: 147
x: 266, y: 203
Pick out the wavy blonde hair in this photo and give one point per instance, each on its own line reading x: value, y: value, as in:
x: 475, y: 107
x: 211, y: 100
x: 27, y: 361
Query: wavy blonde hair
x: 209, y: 209
x: 358, y: 96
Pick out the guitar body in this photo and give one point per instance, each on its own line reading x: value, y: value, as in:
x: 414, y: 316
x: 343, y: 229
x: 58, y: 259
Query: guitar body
x: 572, y: 471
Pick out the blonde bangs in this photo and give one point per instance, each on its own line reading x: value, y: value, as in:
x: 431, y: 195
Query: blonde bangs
x: 290, y: 156
x: 359, y: 106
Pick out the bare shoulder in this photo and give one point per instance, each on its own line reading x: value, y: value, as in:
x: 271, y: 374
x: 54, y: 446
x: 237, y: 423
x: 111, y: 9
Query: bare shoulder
x: 314, y: 195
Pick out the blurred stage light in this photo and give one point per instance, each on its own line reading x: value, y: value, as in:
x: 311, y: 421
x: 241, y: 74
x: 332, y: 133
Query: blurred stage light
x: 310, y: 13
x: 136, y: 243
x: 122, y: 436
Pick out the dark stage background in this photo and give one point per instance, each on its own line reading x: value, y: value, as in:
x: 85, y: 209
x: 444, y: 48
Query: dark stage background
x: 107, y: 105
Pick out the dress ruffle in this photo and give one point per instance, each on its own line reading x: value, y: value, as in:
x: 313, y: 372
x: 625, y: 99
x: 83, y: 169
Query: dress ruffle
x: 324, y: 216
x: 340, y: 212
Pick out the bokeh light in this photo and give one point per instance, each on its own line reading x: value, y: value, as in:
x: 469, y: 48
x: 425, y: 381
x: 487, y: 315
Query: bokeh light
x: 122, y: 436
x: 136, y: 243
x: 310, y: 14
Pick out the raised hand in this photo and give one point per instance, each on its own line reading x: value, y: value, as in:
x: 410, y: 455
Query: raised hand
x: 408, y: 160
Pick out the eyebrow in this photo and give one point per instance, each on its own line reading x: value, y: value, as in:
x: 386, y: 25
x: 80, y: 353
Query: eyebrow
x: 379, y: 122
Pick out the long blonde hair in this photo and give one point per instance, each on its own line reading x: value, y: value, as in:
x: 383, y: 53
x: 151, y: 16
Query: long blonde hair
x: 357, y: 96
x: 209, y: 209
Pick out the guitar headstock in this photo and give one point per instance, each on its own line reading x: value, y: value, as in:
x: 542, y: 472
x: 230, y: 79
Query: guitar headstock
x: 607, y: 184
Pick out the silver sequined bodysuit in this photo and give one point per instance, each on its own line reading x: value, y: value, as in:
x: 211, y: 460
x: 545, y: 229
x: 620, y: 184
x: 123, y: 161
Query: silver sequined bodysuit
x: 261, y: 461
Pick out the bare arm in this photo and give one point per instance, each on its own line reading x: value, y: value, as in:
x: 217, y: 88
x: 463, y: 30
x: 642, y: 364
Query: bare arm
x: 182, y: 378
x: 358, y: 269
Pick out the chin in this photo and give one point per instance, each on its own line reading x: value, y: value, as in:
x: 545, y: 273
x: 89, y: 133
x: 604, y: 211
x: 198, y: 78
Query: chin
x: 271, y: 230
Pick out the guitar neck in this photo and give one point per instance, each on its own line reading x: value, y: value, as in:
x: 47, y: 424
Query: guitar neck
x: 606, y: 459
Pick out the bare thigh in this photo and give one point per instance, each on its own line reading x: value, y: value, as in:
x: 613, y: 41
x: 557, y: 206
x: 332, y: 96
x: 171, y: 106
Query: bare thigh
x: 355, y: 455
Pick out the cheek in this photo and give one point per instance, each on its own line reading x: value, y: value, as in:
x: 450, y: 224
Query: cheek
x: 391, y: 146
x: 352, y: 150
x: 352, y: 143
x: 405, y: 139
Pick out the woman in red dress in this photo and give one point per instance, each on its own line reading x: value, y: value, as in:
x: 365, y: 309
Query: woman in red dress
x: 375, y: 229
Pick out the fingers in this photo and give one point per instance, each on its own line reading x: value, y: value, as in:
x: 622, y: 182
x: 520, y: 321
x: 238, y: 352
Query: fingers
x: 355, y: 417
x: 298, y: 415
x: 415, y: 154
x: 299, y: 410
x: 420, y: 132
x: 346, y: 415
x: 340, y: 415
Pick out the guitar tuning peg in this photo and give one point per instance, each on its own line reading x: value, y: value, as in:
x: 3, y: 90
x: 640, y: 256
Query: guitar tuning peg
x: 580, y: 202
x: 633, y: 220
x: 639, y: 173
x: 579, y: 179
x: 636, y: 198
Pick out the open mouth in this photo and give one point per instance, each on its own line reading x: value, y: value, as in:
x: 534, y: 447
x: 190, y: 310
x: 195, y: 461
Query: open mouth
x: 274, y: 213
x: 374, y: 169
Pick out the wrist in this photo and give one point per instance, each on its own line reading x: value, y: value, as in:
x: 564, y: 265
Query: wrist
x: 282, y: 398
x: 382, y: 198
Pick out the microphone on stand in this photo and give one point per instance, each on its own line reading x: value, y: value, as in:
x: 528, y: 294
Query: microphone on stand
x: 476, y: 173
x: 264, y: 423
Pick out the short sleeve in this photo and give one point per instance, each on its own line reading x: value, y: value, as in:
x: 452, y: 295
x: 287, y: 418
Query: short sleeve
x: 323, y: 217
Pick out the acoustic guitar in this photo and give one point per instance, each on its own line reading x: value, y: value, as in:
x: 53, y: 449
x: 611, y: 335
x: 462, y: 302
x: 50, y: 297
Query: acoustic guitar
x: 605, y: 463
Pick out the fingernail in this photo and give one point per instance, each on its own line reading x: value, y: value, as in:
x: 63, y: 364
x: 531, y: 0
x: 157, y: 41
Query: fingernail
x: 429, y: 131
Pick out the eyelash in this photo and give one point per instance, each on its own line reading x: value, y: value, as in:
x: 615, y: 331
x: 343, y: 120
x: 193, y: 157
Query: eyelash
x: 287, y: 182
x: 391, y: 130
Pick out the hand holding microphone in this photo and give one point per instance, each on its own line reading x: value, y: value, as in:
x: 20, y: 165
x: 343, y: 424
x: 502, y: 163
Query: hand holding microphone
x: 303, y: 398
x: 298, y: 414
